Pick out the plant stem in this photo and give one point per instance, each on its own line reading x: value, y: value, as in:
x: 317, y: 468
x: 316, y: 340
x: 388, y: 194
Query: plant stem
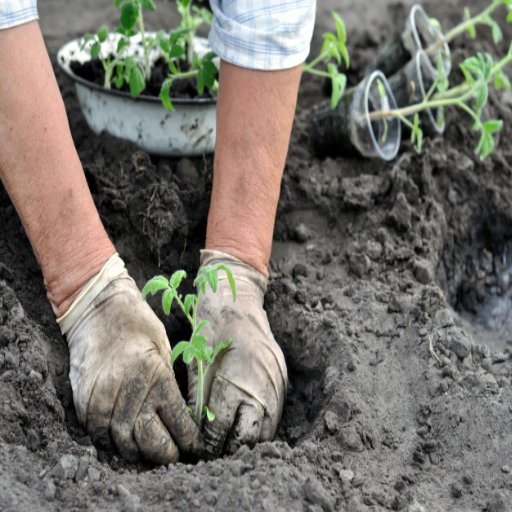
x: 308, y: 68
x: 187, y: 22
x: 144, y: 44
x: 459, y: 29
x: 199, y: 399
x: 317, y: 72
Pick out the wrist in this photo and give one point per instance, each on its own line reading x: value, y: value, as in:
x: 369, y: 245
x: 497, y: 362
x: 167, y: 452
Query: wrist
x: 64, y: 278
x: 250, y: 254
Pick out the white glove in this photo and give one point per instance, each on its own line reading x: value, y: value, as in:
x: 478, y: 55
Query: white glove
x: 246, y: 385
x: 123, y: 383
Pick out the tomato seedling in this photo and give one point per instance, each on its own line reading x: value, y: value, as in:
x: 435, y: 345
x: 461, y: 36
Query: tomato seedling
x: 331, y: 54
x: 177, y: 48
x: 479, y: 72
x: 195, y: 348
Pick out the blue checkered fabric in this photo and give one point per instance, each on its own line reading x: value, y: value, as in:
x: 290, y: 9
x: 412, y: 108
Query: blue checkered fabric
x: 17, y: 12
x: 262, y: 34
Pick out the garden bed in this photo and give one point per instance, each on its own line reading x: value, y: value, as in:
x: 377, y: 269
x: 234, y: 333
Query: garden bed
x: 373, y: 264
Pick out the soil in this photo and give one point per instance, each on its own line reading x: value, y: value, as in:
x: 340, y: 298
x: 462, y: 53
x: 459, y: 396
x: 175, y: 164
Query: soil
x: 389, y: 294
x: 93, y: 72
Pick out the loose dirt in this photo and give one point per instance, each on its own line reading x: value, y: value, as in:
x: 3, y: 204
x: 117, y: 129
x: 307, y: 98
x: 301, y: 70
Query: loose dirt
x: 389, y: 294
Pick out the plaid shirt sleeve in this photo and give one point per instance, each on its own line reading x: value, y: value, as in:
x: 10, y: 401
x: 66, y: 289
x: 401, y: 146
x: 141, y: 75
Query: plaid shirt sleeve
x: 17, y: 12
x: 262, y: 34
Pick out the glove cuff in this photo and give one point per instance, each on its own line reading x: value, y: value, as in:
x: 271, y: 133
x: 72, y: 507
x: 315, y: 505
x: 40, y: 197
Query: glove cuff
x: 113, y: 269
x: 241, y: 271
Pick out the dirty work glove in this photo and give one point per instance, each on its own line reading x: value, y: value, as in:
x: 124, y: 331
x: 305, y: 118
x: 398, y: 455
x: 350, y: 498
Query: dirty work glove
x: 123, y: 384
x: 246, y: 385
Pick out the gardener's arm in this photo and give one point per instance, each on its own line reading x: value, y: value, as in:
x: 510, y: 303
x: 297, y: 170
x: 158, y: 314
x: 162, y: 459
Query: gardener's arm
x: 123, y: 386
x: 262, y: 50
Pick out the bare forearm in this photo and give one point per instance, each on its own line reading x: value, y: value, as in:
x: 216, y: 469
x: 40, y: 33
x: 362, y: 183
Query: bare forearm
x: 41, y: 171
x: 254, y: 120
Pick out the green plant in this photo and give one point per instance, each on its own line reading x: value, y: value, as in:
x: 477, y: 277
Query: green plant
x: 471, y: 22
x: 479, y: 71
x: 176, y: 48
x: 195, y: 348
x: 331, y: 54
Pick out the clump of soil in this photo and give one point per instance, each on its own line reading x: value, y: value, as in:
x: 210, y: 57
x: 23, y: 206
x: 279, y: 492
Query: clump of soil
x: 396, y: 401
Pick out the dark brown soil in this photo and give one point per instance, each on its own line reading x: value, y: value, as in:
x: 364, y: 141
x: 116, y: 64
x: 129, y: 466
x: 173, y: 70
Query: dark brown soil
x: 93, y: 72
x: 389, y: 294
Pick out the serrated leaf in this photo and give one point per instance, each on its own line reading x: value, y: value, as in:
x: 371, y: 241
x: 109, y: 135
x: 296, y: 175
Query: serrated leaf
x: 167, y: 299
x: 178, y: 350
x: 95, y: 50
x: 148, y: 4
x: 137, y: 82
x: 102, y: 34
x: 176, y: 278
x: 209, y: 414
x: 189, y: 302
x: 211, y: 276
x: 129, y: 14
x: 155, y: 285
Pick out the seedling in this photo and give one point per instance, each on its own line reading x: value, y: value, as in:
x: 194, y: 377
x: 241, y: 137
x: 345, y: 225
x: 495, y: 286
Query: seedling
x: 195, y: 348
x: 333, y: 50
x: 177, y: 49
x: 471, y: 22
x: 478, y: 71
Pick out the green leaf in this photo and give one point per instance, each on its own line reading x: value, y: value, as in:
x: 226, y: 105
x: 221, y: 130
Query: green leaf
x: 117, y: 3
x: 176, y: 51
x: 201, y: 326
x: 209, y: 414
x: 471, y: 29
x: 185, y: 3
x: 176, y: 35
x: 87, y: 38
x: 497, y: 35
x: 201, y: 282
x: 419, y: 137
x: 122, y: 44
x: 200, y: 77
x: 189, y: 302
x: 211, y: 276
x: 231, y: 279
x: 102, y: 34
x: 482, y: 96
x: 198, y: 341
x: 492, y: 126
x: 129, y: 14
x: 155, y: 285
x: 95, y: 50
x: 474, y: 66
x: 167, y: 299
x: 220, y: 346
x: 344, y: 52
x: 178, y: 350
x: 501, y: 81
x: 148, y: 4
x: 340, y: 28
x: 189, y: 354
x: 339, y: 83
x: 137, y: 82
x: 119, y: 82
x: 176, y: 278
x: 509, y: 17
